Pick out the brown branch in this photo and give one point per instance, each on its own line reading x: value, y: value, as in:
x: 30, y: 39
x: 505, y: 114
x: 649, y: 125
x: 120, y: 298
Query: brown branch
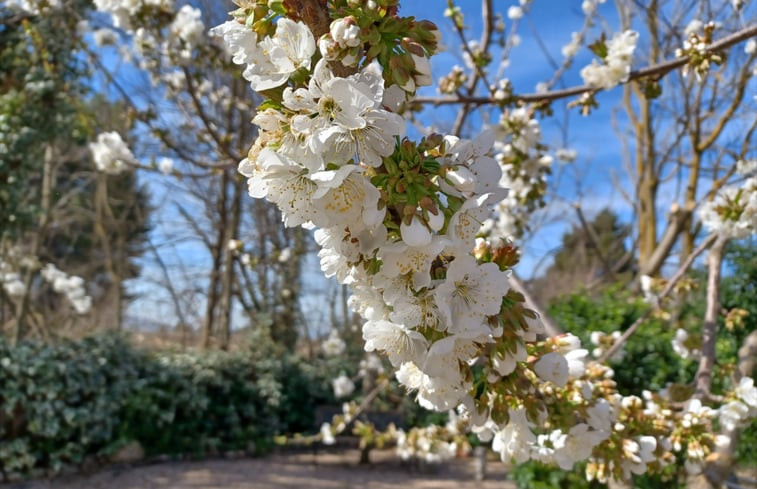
x: 656, y: 70
x: 745, y: 74
x: 223, y: 146
x: 594, y: 240
x: 677, y: 220
x: 551, y: 327
x: 478, y: 73
x: 365, y: 404
x: 703, y: 378
x: 668, y: 288
x: 748, y: 356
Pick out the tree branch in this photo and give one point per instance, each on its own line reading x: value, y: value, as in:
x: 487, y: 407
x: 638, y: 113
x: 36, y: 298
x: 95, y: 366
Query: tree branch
x: 703, y: 378
x: 668, y: 288
x: 655, y: 70
x: 552, y: 328
x: 594, y: 240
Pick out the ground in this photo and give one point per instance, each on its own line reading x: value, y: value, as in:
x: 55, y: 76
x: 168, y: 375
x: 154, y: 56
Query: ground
x: 321, y: 470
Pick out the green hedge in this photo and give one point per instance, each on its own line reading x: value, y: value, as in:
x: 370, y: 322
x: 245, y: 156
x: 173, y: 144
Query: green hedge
x: 61, y: 404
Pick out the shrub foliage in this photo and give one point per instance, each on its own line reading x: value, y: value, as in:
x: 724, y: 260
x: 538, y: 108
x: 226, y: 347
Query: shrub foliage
x: 62, y: 404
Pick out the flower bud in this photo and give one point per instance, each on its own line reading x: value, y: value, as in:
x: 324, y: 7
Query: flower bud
x: 435, y: 221
x: 345, y: 32
x: 506, y: 256
x: 415, y: 233
x: 422, y: 70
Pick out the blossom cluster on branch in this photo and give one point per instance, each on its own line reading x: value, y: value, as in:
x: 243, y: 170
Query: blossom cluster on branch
x: 733, y: 211
x: 397, y: 220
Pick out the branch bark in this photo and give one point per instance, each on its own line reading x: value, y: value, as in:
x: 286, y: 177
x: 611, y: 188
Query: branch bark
x: 703, y: 379
x: 551, y: 327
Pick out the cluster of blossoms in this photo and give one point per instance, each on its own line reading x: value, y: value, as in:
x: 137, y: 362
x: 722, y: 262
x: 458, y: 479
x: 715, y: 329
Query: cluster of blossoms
x: 434, y: 443
x: 69, y: 285
x: 171, y: 41
x: 603, y: 342
x: 732, y: 213
x: 685, y: 345
x: 334, y: 345
x: 397, y: 221
x: 695, y: 47
x: 617, y: 56
x: 520, y: 152
x: 122, y: 12
x: 338, y: 424
x: 110, y: 153
x: 11, y: 280
x: 741, y: 407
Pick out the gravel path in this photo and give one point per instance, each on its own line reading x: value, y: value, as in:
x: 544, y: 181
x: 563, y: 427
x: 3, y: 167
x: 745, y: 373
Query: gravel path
x: 324, y: 470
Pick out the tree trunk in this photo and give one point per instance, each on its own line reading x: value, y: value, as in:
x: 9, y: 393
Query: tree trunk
x: 22, y: 307
x: 216, y: 252
x: 227, y: 281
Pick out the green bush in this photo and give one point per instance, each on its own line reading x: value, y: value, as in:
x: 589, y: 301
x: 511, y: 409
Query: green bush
x: 649, y: 361
x: 60, y: 404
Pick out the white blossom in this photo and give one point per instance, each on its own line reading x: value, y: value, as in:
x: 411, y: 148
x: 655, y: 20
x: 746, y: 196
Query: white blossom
x: 327, y: 436
x: 70, y: 286
x: 617, y: 64
x: 751, y: 46
x: 342, y: 386
x: 514, y: 441
x: 334, y: 345
x: 275, y: 58
x: 514, y: 12
x: 747, y: 392
x: 345, y: 32
x: 553, y: 367
x: 733, y: 211
x: 110, y: 153
x: 399, y: 343
x: 165, y: 165
x: 470, y: 292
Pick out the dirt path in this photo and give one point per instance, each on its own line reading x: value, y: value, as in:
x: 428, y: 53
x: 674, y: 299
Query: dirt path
x: 319, y: 471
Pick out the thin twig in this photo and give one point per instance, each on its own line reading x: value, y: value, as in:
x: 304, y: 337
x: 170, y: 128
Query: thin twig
x: 668, y: 288
x: 478, y: 73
